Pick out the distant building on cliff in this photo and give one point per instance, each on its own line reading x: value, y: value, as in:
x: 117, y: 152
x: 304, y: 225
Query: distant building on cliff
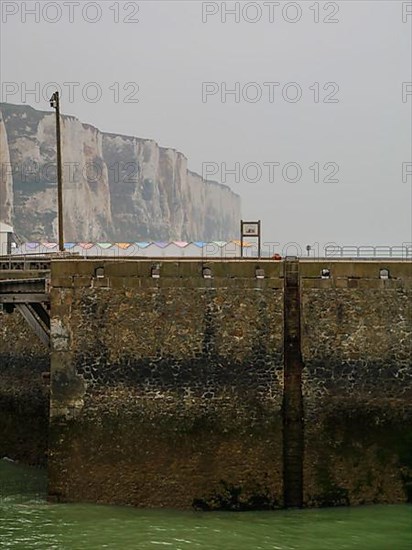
x: 6, y: 238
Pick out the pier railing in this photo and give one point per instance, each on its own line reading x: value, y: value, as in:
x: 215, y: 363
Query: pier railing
x: 41, y: 262
x: 25, y: 263
x: 403, y: 252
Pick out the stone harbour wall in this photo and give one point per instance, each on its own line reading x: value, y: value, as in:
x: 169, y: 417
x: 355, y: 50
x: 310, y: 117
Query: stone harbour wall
x: 167, y: 392
x: 24, y: 393
x: 175, y: 390
x: 357, y: 384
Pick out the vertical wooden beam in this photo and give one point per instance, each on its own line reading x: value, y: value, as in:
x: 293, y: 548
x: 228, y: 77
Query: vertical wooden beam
x: 292, y: 396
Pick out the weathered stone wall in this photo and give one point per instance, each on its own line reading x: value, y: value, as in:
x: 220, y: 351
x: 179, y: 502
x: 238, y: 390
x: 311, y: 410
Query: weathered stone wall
x: 170, y: 391
x: 24, y: 397
x: 357, y: 383
x: 167, y: 392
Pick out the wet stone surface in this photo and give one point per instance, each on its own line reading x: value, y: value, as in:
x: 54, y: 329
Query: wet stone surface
x: 191, y: 378
x: 169, y: 392
x: 357, y: 388
x: 24, y: 395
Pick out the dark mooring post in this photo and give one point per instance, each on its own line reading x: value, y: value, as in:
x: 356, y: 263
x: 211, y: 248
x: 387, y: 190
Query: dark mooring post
x: 292, y: 394
x: 55, y: 103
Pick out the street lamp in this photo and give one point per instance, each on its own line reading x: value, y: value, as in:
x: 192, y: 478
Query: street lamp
x: 55, y: 104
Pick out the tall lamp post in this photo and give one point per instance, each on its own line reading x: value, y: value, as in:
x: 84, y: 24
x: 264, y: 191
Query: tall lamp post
x: 55, y: 103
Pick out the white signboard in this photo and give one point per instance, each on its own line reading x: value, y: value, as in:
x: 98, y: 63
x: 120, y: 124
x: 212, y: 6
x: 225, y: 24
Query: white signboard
x: 250, y: 229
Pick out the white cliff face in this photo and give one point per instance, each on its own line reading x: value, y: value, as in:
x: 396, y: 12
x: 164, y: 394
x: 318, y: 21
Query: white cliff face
x: 6, y: 181
x: 86, y: 184
x: 116, y: 188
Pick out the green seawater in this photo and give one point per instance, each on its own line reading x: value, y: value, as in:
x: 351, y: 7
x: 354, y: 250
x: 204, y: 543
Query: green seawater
x: 27, y: 521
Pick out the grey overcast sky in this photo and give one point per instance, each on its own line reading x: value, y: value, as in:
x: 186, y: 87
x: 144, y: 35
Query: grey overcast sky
x: 335, y: 110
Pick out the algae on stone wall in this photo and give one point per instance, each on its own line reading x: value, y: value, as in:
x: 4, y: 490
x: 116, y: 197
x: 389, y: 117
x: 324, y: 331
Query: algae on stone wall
x: 24, y: 396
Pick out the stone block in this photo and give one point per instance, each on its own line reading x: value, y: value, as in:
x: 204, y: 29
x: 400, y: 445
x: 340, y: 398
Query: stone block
x: 372, y: 284
x: 169, y: 269
x: 117, y: 282
x: 100, y: 282
x: 393, y: 283
x: 121, y: 269
x: 82, y: 281
x: 63, y: 282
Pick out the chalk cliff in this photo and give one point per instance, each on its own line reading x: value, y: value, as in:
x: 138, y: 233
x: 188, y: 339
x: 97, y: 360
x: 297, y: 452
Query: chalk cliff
x: 6, y: 182
x: 116, y: 188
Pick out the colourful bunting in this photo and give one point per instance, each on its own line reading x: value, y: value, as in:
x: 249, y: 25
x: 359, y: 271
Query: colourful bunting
x: 125, y: 246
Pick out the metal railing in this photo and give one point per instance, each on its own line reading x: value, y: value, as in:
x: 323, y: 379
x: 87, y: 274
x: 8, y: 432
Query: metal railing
x: 24, y: 263
x: 41, y: 262
x: 403, y: 252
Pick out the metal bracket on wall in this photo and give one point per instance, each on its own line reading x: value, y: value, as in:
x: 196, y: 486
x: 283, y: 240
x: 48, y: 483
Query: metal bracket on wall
x: 38, y: 319
x: 30, y: 297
